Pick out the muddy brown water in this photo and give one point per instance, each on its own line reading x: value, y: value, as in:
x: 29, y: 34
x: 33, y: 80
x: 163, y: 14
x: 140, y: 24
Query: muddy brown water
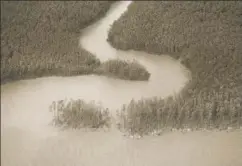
x: 28, y: 139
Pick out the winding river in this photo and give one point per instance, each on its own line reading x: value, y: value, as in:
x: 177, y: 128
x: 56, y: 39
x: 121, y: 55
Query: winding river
x: 28, y: 140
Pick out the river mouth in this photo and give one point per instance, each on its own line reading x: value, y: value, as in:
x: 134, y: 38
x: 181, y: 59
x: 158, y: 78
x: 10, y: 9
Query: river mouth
x: 28, y: 138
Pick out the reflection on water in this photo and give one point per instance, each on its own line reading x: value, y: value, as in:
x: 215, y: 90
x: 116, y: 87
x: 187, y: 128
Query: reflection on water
x: 29, y: 139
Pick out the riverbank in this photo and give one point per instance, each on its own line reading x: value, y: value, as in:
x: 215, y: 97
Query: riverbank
x: 28, y: 136
x: 41, y: 39
x: 206, y: 38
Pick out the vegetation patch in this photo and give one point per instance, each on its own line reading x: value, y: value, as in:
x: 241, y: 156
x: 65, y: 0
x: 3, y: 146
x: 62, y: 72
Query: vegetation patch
x: 124, y: 70
x: 78, y: 114
x: 207, y: 38
x: 203, y: 111
x: 79, y: 62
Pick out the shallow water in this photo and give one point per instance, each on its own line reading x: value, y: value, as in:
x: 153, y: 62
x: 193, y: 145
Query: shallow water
x: 27, y: 137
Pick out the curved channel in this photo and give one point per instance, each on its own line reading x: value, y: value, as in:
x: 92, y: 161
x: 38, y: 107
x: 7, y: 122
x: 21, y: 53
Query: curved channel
x: 28, y: 139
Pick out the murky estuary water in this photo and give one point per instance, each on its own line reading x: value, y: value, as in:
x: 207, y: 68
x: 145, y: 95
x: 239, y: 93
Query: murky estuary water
x: 28, y: 139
